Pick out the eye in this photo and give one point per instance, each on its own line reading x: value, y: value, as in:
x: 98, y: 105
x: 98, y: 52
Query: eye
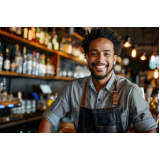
x: 106, y: 54
x: 93, y: 54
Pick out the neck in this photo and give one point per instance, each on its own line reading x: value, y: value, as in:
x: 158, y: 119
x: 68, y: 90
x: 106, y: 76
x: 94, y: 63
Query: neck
x: 99, y: 84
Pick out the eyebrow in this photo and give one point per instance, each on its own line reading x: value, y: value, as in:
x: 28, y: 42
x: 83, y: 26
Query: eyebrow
x: 97, y: 50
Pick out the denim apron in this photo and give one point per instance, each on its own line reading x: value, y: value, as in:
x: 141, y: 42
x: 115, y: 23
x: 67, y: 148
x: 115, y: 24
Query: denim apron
x: 105, y: 120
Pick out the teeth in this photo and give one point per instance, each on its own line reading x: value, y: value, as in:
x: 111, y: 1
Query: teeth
x: 100, y: 66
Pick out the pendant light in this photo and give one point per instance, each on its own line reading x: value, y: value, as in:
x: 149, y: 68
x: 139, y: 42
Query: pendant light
x: 128, y: 40
x: 143, y: 57
x: 156, y: 73
x: 134, y: 51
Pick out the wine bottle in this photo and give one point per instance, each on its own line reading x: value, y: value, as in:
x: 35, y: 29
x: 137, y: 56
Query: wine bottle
x: 6, y: 60
x: 12, y: 63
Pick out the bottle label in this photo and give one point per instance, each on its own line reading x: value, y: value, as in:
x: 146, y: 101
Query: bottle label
x: 7, y: 64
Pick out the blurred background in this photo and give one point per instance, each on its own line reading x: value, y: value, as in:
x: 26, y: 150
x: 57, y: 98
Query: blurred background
x: 36, y: 63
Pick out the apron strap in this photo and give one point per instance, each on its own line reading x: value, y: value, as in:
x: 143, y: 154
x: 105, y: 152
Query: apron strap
x: 115, y: 93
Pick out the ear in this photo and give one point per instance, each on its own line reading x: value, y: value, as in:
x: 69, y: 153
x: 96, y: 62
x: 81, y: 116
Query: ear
x: 115, y: 59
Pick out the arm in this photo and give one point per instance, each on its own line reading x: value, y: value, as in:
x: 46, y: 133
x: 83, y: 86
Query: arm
x: 150, y: 131
x: 45, y: 126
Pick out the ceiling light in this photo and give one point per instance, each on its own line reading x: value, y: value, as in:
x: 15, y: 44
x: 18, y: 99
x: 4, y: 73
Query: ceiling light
x: 127, y: 43
x: 156, y: 73
x: 143, y: 57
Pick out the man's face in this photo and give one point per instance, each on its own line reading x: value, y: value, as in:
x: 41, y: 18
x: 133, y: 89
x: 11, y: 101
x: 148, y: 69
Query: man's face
x: 101, y: 58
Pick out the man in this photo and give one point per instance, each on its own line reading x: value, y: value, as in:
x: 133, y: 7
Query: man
x: 102, y: 102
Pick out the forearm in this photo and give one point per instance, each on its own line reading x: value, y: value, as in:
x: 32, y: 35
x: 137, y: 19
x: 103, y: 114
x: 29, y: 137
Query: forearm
x: 149, y: 131
x: 45, y: 126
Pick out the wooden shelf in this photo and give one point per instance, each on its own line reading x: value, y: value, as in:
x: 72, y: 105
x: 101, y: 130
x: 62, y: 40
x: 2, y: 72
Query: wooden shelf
x: 14, y: 74
x: 11, y: 38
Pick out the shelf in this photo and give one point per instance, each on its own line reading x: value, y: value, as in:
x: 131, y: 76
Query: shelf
x: 11, y: 38
x: 14, y: 74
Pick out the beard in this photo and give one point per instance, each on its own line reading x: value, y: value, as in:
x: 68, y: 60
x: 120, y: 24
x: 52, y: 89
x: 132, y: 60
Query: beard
x: 100, y: 77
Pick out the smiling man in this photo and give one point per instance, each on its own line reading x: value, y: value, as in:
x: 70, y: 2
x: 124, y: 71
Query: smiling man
x: 102, y: 102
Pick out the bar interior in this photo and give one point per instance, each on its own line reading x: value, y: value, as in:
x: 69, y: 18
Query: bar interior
x: 37, y: 62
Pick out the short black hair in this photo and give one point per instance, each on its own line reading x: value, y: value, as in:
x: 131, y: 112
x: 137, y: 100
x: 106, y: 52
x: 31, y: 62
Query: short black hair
x: 102, y: 32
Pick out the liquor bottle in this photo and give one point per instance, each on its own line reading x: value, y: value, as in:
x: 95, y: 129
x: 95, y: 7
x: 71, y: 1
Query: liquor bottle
x: 1, y: 59
x: 33, y: 34
x: 18, y: 60
x: 24, y: 60
x: 29, y: 34
x: 52, y: 67
x: 66, y: 45
x: 43, y: 65
x: 73, y: 48
x: 25, y: 33
x: 42, y: 36
x: 34, y: 63
x: 46, y: 39
x: 49, y: 46
x: 12, y: 30
x: 37, y: 34
x: 37, y: 63
x: 12, y: 63
x: 48, y: 67
x: 4, y: 90
x: 29, y: 63
x: 6, y: 61
x: 40, y: 66
x: 69, y: 46
x: 52, y: 37
x: 18, y: 31
x: 56, y: 42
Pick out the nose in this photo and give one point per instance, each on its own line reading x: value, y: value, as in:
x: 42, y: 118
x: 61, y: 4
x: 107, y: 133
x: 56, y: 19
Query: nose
x: 101, y: 57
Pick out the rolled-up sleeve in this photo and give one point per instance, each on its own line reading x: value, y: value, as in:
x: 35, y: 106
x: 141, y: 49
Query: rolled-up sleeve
x: 59, y: 107
x: 139, y: 113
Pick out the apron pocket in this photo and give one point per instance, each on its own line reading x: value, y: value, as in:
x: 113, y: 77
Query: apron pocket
x: 107, y: 129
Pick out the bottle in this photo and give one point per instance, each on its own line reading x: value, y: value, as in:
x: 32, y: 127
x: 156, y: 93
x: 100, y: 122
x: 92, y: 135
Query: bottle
x: 43, y: 65
x: 52, y: 71
x: 25, y: 33
x: 4, y: 91
x: 69, y: 46
x: 49, y: 46
x: 12, y: 30
x: 48, y: 67
x: 12, y: 63
x: 56, y: 42
x: 18, y: 60
x: 37, y: 34
x: 18, y: 31
x: 6, y: 61
x: 46, y: 39
x: 66, y: 45
x: 52, y: 37
x: 34, y: 63
x: 24, y: 60
x: 33, y: 34
x: 29, y: 64
x: 42, y: 36
x: 37, y: 63
x: 1, y: 59
x: 40, y: 66
x: 62, y: 43
x: 73, y: 48
x: 29, y: 34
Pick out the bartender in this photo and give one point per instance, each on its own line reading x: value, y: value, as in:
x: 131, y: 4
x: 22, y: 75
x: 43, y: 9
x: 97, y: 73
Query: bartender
x: 102, y: 102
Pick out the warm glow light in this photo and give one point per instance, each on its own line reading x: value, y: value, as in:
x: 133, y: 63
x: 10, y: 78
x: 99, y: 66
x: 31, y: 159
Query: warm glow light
x: 152, y: 58
x: 133, y: 54
x: 156, y: 73
x: 127, y: 44
x: 143, y: 57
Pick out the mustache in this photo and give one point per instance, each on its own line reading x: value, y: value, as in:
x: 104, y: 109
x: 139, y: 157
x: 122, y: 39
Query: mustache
x: 100, y: 64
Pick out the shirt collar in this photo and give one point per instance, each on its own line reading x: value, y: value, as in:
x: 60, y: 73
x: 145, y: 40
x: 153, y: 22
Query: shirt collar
x: 110, y: 85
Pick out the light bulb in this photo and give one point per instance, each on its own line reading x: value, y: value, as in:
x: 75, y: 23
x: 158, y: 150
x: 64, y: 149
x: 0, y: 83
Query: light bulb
x: 143, y: 57
x: 152, y: 58
x: 156, y: 73
x: 133, y: 54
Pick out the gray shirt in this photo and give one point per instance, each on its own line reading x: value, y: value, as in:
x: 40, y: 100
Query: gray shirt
x: 131, y: 103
